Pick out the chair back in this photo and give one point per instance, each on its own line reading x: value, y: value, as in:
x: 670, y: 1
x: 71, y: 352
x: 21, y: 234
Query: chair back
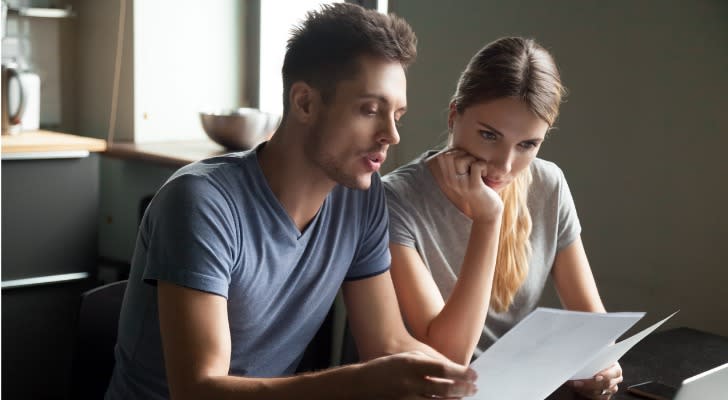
x: 98, y: 322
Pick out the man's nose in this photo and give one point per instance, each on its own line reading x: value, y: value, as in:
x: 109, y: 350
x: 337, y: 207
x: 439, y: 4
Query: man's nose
x: 389, y: 134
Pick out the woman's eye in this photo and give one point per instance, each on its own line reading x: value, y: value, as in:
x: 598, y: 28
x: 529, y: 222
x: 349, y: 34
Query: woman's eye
x: 488, y: 135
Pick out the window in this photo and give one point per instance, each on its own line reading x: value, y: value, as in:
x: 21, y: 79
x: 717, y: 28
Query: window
x: 277, y: 17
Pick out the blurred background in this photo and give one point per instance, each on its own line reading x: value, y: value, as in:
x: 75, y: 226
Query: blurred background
x: 641, y: 138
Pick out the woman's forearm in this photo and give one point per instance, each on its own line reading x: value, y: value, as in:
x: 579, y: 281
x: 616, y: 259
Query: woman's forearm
x: 456, y: 329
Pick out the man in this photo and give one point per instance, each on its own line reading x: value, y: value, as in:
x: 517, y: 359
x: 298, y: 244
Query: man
x: 239, y: 257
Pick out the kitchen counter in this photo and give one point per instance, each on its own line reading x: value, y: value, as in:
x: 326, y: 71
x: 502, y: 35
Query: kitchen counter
x: 173, y: 154
x: 47, y: 143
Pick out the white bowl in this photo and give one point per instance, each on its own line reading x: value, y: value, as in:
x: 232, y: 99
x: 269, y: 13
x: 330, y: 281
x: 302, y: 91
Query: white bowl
x: 239, y: 129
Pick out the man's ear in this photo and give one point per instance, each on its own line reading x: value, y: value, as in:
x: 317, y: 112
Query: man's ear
x: 304, y: 101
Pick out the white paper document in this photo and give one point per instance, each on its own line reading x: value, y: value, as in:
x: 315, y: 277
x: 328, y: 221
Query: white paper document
x: 610, y: 354
x: 549, y: 347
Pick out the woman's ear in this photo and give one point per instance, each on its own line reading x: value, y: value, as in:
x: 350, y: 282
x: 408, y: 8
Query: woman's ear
x: 451, y: 116
x: 304, y: 101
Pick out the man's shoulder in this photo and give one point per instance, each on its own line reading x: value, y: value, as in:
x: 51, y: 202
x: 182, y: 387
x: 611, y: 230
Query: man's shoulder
x: 219, y: 172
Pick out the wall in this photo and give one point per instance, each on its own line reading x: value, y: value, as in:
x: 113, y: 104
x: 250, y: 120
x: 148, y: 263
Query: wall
x: 187, y: 67
x: 640, y: 137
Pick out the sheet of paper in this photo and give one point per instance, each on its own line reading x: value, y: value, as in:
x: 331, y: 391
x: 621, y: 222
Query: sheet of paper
x: 610, y: 354
x: 544, y: 350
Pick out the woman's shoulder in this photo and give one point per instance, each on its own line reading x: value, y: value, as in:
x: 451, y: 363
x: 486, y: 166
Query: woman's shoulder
x: 407, y: 176
x: 546, y: 174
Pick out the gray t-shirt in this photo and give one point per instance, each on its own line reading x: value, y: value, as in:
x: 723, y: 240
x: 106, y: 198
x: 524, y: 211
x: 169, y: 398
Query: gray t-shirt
x: 217, y: 227
x: 423, y: 218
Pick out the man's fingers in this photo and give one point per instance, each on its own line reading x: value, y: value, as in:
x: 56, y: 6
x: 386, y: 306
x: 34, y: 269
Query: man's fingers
x: 447, y: 370
x: 445, y: 388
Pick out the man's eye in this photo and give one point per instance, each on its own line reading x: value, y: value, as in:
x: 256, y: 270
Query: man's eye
x: 528, y: 145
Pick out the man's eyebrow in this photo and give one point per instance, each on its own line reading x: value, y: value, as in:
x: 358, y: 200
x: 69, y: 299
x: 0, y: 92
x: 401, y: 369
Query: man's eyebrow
x: 381, y: 99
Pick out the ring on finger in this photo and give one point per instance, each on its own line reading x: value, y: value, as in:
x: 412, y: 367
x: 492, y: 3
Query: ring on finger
x: 461, y: 176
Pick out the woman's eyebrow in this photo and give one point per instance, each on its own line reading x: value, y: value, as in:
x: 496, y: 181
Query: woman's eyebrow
x: 486, y: 126
x: 499, y: 133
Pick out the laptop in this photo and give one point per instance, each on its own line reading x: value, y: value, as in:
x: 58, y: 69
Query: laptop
x: 709, y: 385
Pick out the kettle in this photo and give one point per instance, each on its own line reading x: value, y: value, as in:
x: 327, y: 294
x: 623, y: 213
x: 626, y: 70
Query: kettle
x: 11, y: 118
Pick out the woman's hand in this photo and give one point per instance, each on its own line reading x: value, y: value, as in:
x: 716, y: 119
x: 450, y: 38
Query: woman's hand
x: 602, y: 386
x: 462, y: 174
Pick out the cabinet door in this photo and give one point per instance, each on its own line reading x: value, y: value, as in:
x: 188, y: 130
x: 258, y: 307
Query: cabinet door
x: 49, y: 216
x: 49, y: 228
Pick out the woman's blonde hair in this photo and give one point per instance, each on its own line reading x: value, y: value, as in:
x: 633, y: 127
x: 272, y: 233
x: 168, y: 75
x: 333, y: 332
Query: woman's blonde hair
x: 519, y: 68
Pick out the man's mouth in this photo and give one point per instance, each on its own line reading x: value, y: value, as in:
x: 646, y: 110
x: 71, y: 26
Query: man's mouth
x: 374, y: 161
x: 376, y: 157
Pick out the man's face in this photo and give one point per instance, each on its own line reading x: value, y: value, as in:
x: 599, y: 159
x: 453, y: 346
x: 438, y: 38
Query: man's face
x: 353, y: 131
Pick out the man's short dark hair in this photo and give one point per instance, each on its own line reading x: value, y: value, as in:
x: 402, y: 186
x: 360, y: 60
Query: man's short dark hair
x: 325, y: 48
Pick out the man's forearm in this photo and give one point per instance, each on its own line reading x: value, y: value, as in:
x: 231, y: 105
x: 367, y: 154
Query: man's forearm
x: 335, y: 383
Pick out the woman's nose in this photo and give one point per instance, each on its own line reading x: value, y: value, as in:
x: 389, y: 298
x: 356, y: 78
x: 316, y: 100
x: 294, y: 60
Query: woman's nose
x: 502, y: 162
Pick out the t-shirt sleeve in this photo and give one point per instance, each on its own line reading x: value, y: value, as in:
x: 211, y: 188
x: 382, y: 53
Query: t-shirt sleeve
x: 569, y: 226
x: 399, y: 219
x: 372, y: 255
x: 190, y: 236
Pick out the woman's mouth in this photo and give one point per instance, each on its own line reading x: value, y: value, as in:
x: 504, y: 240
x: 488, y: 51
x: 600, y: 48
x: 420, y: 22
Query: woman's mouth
x: 493, y: 184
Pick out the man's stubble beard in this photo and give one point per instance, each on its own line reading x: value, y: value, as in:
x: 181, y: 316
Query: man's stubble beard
x: 315, y: 149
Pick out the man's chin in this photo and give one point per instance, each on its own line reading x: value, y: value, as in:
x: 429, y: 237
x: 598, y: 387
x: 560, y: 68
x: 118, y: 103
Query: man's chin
x: 361, y: 182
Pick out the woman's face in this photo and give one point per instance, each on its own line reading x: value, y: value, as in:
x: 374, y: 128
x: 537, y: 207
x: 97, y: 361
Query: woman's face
x: 503, y: 132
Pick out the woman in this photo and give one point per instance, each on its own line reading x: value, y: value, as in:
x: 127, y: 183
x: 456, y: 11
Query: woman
x: 476, y: 228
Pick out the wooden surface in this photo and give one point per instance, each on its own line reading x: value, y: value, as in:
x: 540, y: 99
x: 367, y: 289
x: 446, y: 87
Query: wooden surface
x: 47, y: 141
x: 174, y: 154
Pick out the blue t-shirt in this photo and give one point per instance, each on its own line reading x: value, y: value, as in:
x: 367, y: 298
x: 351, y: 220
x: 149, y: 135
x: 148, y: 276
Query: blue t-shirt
x: 216, y: 226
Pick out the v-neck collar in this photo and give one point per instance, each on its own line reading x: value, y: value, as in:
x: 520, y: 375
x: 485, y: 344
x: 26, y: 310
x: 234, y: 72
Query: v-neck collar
x: 290, y: 229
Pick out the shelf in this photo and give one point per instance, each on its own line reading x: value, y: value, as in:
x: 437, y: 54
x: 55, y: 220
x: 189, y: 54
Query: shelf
x: 36, y: 12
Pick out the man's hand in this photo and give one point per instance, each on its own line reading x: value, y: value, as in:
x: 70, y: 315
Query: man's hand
x: 415, y: 375
x: 602, y: 386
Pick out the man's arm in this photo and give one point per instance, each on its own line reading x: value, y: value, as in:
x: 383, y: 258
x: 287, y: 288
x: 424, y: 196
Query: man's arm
x: 196, y: 344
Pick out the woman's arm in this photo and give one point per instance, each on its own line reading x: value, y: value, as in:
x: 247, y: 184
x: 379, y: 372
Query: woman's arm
x: 453, y: 327
x: 577, y: 290
x: 574, y: 281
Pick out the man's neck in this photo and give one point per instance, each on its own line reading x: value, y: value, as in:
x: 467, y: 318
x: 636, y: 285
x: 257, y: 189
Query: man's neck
x: 299, y: 186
